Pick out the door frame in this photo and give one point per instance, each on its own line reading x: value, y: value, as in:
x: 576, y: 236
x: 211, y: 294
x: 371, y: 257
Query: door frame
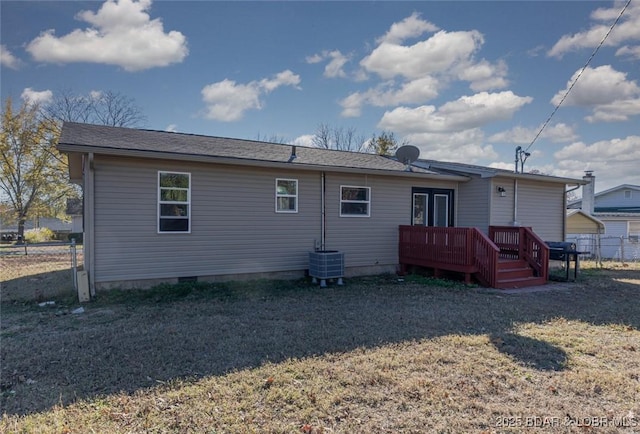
x: 431, y: 194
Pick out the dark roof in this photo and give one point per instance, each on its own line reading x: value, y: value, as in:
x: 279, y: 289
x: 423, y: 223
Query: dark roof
x: 77, y: 137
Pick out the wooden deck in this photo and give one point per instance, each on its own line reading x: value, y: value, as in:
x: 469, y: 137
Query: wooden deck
x: 509, y: 257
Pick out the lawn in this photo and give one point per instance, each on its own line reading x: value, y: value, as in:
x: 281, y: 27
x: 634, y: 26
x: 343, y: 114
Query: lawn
x: 376, y: 355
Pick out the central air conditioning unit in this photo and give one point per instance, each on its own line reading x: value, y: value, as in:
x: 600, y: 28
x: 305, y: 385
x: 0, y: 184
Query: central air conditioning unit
x: 326, y: 264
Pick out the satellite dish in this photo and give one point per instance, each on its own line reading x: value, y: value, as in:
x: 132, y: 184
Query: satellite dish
x: 407, y: 154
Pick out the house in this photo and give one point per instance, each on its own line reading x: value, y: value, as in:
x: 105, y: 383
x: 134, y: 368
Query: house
x: 162, y: 206
x: 499, y: 197
x: 618, y: 208
x: 74, y: 210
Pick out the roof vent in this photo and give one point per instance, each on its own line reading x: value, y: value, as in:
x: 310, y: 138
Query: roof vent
x: 293, y: 154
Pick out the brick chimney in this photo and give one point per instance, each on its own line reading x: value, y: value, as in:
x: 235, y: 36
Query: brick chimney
x: 588, y: 192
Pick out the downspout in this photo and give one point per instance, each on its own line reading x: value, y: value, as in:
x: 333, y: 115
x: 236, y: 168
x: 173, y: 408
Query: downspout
x: 515, y: 203
x: 322, y: 212
x: 89, y: 220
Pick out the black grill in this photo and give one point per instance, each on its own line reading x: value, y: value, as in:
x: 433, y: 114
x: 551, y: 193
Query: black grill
x: 558, y: 250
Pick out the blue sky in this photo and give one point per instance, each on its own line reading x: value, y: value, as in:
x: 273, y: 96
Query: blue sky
x: 463, y: 81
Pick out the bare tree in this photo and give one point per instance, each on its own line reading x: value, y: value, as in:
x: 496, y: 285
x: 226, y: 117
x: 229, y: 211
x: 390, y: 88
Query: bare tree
x: 103, y: 108
x: 338, y: 138
x: 117, y: 110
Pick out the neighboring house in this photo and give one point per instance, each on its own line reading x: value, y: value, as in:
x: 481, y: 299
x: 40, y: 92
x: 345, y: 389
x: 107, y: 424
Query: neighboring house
x: 162, y: 206
x: 586, y: 231
x: 74, y: 210
x: 60, y: 227
x: 619, y: 209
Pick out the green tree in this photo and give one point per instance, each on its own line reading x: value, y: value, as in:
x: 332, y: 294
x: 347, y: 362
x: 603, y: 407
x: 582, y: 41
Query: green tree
x: 33, y: 174
x: 384, y: 144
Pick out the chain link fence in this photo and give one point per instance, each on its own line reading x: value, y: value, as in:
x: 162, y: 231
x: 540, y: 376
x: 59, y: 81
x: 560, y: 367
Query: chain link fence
x: 608, y: 248
x: 39, y: 271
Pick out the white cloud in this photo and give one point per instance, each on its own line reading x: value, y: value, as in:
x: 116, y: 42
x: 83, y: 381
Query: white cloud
x: 387, y: 94
x: 31, y: 96
x: 8, y: 59
x: 607, y: 91
x: 631, y: 51
x: 463, y: 147
x: 464, y: 113
x: 557, y: 133
x: 626, y: 149
x: 485, y: 76
x: 438, y: 53
x: 410, y: 27
x: 304, y: 140
x: 601, y: 85
x: 627, y: 29
x: 172, y: 128
x: 424, y: 67
x: 335, y: 66
x: 228, y: 101
x: 614, y: 161
x: 121, y: 34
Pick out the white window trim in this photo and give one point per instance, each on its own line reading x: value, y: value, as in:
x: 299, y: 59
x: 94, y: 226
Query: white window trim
x: 368, y: 202
x: 279, y: 195
x: 164, y: 202
x: 435, y: 208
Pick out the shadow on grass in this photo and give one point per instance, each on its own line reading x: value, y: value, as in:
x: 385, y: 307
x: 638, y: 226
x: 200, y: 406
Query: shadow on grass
x: 37, y: 287
x: 131, y: 340
x: 530, y: 352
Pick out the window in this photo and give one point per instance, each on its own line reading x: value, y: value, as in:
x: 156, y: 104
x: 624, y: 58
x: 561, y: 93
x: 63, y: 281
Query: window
x: 634, y: 232
x: 441, y: 210
x: 627, y: 194
x: 174, y: 202
x: 355, y: 201
x: 287, y: 195
x: 420, y: 204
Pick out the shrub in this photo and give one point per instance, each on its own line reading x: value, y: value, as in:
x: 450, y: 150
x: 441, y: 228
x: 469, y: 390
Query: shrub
x: 38, y: 235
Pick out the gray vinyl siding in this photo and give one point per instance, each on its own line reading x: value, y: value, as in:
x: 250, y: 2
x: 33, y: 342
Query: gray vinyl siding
x: 371, y: 241
x: 502, y: 207
x: 234, y: 226
x: 616, y: 199
x: 542, y: 207
x: 473, y: 203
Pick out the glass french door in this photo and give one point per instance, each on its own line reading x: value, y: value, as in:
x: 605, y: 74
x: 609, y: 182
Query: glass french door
x: 432, y: 207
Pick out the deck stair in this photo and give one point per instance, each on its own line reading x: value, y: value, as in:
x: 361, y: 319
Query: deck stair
x: 516, y: 273
x: 505, y: 258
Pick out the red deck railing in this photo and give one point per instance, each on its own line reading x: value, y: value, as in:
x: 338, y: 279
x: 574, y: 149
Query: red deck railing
x: 464, y: 250
x: 470, y: 251
x: 522, y: 243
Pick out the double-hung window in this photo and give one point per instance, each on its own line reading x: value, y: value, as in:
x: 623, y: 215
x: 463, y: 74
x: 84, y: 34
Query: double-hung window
x: 286, y: 195
x: 355, y: 201
x: 174, y: 202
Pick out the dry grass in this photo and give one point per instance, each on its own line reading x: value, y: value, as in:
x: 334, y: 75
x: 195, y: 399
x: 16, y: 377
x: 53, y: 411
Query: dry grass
x: 377, y: 355
x: 43, y: 273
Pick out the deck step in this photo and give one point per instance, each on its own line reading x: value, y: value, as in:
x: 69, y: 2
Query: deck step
x: 515, y: 273
x: 520, y: 282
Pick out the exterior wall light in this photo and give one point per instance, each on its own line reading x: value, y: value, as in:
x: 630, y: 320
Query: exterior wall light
x: 502, y: 191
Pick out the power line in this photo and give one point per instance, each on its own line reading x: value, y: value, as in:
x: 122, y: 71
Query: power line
x: 579, y: 75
